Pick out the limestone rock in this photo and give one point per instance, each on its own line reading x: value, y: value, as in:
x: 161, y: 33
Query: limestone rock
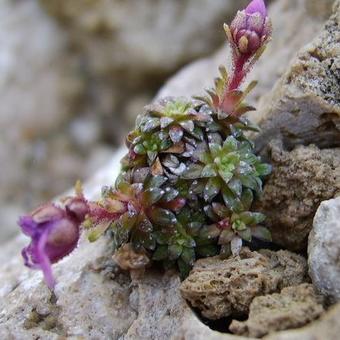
x: 219, y: 288
x: 304, y: 106
x: 93, y: 299
x: 324, y: 249
x: 300, y: 181
x: 142, y: 39
x: 327, y: 327
x: 294, y: 307
x: 40, y: 90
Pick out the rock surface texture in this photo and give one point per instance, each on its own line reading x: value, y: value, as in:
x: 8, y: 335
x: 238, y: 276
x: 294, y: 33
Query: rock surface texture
x: 220, y: 288
x: 324, y: 249
x: 93, y: 299
x: 300, y: 181
x: 294, y: 307
x: 304, y: 106
x: 145, y: 37
x: 41, y: 89
x: 327, y: 327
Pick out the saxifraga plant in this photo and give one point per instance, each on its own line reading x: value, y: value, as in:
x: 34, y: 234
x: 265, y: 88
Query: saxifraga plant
x: 187, y: 183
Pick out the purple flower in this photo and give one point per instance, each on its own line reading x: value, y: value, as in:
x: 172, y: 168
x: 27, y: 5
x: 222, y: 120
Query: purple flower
x: 251, y: 28
x: 54, y: 233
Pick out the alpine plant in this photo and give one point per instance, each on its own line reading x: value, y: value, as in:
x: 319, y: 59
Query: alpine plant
x: 187, y: 183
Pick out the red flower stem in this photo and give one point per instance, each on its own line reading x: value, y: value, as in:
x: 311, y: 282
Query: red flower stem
x: 238, y: 74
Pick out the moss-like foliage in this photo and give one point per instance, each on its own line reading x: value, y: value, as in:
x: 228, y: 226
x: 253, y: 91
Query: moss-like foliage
x: 188, y: 183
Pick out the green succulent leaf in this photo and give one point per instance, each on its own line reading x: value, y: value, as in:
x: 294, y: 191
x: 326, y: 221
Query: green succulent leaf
x: 155, y: 181
x: 263, y: 169
x: 170, y: 194
x: 161, y: 253
x: 245, y: 234
x: 247, y: 199
x: 139, y: 149
x: 152, y: 195
x: 210, y: 232
x: 207, y: 251
x: 163, y: 217
x: 193, y: 171
x: 188, y: 256
x: 239, y: 225
x: 232, y: 202
x: 174, y: 251
x: 215, y: 149
x: 225, y: 251
x: 226, y: 236
x: 230, y: 144
x: 261, y: 233
x: 220, y: 210
x: 235, y: 185
x: 152, y: 156
x: 251, y: 217
x: 161, y: 238
x: 209, y: 171
x: 250, y: 182
x: 211, y: 189
x: 184, y: 268
x: 150, y: 124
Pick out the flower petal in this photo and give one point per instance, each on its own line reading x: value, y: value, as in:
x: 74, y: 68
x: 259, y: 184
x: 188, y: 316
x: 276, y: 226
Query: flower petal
x: 257, y: 6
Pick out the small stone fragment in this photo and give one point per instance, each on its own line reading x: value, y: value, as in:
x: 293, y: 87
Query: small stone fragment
x: 128, y: 259
x: 220, y: 288
x: 324, y: 249
x: 292, y: 308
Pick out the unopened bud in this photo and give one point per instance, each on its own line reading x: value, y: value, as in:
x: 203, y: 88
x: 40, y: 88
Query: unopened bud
x: 251, y: 28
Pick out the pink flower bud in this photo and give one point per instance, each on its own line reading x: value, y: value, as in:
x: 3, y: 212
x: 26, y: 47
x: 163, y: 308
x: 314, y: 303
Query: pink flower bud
x: 54, y: 234
x: 251, y: 28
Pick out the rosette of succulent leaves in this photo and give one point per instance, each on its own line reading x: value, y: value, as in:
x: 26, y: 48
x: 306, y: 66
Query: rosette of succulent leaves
x: 190, y: 176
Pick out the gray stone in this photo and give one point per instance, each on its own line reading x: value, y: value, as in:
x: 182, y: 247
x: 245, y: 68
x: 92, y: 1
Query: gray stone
x: 142, y: 38
x: 324, y: 249
x: 304, y: 106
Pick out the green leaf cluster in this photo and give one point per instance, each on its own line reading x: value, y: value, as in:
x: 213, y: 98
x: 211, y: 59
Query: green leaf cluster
x: 188, y: 182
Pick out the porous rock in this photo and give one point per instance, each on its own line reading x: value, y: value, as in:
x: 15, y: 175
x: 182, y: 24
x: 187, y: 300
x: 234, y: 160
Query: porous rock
x: 324, y: 249
x: 300, y: 181
x: 327, y: 327
x: 220, y: 288
x: 294, y: 307
x: 302, y: 109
